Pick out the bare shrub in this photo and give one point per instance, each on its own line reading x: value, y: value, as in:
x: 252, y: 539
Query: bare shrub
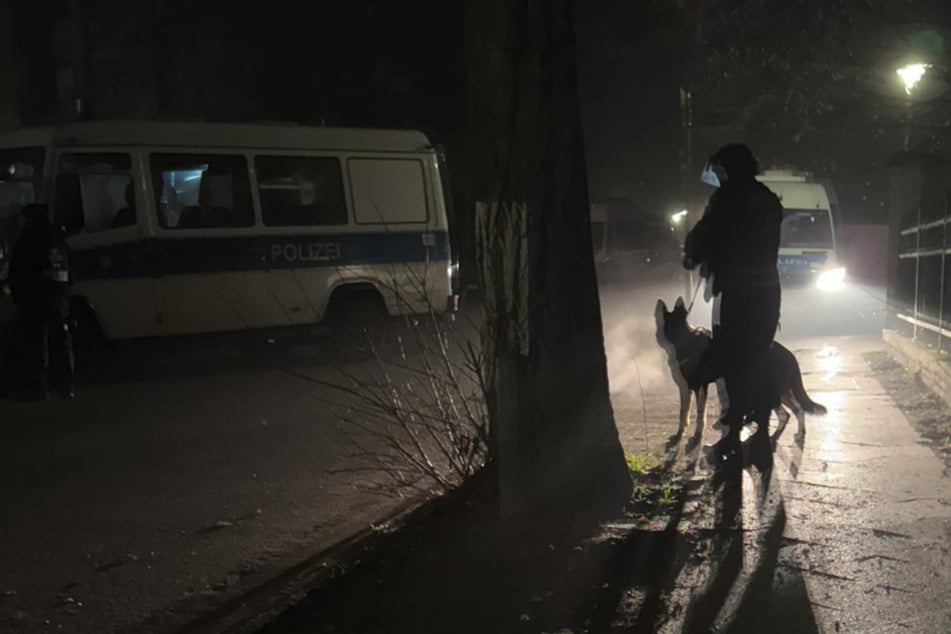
x: 415, y: 421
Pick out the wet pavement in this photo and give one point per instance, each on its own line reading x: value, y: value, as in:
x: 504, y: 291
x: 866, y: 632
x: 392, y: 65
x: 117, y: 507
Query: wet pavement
x: 847, y: 533
x: 844, y: 531
x: 168, y: 492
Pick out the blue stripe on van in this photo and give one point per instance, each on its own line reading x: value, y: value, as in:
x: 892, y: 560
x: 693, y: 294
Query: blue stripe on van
x: 180, y: 256
x: 798, y: 264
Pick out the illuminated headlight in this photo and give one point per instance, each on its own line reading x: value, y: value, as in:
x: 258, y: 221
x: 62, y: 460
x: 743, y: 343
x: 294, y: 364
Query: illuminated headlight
x: 831, y: 281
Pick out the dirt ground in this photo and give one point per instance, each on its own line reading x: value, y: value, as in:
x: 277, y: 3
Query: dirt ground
x: 924, y: 409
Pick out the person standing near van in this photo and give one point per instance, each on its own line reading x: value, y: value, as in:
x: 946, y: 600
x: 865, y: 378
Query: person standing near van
x: 737, y: 243
x: 39, y: 282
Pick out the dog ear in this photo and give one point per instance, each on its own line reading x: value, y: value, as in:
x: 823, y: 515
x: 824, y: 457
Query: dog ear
x: 680, y: 304
x: 661, y: 306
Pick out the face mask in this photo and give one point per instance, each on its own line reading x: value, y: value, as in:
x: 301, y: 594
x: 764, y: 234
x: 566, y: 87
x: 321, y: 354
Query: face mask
x: 709, y: 176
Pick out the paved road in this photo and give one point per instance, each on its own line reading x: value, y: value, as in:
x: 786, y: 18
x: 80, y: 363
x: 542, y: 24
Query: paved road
x: 197, y: 472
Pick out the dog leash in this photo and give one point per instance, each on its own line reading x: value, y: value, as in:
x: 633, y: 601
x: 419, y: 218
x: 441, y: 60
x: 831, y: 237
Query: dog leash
x: 696, y: 290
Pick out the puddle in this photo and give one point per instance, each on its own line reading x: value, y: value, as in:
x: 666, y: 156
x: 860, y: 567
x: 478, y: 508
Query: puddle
x: 829, y: 363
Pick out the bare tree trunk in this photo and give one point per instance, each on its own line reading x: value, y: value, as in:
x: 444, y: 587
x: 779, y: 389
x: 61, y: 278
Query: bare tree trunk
x: 555, y: 440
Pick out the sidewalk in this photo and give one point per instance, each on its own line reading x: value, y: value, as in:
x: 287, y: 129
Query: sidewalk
x: 847, y: 533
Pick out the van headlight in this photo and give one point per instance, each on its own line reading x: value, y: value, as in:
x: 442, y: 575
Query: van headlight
x: 831, y: 280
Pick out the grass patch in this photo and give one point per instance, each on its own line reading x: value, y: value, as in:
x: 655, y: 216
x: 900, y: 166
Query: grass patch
x: 656, y: 490
x: 642, y: 464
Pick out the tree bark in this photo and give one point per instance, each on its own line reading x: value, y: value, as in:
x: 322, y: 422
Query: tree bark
x: 556, y: 444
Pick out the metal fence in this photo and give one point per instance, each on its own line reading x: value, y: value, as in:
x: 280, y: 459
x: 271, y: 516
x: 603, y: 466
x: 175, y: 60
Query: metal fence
x: 920, y: 294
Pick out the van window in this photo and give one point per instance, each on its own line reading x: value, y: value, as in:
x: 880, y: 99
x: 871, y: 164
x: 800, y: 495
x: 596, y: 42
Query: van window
x: 200, y: 191
x: 806, y: 229
x: 94, y: 192
x: 300, y: 191
x: 387, y: 191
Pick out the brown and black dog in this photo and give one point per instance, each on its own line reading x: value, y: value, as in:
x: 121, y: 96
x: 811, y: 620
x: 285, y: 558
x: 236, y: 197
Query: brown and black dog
x: 686, y: 345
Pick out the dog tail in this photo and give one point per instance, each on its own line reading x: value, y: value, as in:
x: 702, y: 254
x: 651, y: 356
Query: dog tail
x: 807, y: 404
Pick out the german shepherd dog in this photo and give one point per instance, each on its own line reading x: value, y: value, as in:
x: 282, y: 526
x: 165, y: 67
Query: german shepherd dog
x: 686, y: 345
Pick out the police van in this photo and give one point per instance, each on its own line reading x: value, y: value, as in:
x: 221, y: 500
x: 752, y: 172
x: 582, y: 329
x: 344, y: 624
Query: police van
x: 808, y: 252
x: 186, y: 228
x: 631, y: 245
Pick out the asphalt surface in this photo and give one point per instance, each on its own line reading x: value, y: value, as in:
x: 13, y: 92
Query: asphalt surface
x: 194, y: 471
x: 190, y: 476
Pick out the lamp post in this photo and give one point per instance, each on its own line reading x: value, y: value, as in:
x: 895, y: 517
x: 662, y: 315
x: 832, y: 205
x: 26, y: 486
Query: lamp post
x: 686, y: 166
x: 678, y: 224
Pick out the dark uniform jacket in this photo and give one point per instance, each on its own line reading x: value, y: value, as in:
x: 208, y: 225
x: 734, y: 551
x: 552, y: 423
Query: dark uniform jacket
x: 738, y: 238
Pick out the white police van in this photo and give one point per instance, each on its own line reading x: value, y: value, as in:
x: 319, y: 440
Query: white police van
x: 185, y: 228
x: 808, y: 252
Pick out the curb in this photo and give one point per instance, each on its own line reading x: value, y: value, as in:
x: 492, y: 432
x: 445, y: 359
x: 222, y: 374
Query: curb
x: 935, y: 371
x: 257, y: 606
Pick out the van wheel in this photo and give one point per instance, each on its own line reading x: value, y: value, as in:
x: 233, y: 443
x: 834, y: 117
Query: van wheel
x: 359, y: 324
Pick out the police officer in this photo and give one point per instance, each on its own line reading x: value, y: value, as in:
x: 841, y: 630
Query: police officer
x: 39, y: 281
x: 737, y: 244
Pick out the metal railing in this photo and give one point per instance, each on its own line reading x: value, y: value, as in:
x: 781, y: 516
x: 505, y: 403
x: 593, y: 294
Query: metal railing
x: 919, y: 296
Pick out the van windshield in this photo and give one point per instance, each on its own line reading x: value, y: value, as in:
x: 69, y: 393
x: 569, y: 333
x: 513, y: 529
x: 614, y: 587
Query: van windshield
x: 806, y: 229
x: 21, y: 170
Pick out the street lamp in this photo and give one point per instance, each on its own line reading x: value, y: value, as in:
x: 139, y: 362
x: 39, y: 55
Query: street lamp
x: 678, y: 226
x: 911, y: 74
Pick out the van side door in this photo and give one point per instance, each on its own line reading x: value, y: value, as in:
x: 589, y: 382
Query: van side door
x: 98, y: 197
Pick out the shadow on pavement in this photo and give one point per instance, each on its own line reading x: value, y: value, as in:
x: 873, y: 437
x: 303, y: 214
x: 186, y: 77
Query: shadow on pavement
x: 459, y: 571
x: 747, y: 558
x: 775, y: 597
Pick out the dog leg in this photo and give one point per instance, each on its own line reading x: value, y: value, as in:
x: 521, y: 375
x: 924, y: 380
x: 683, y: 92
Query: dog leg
x: 724, y: 405
x: 701, y: 408
x: 782, y: 415
x: 684, y: 410
x: 800, y: 414
x: 684, y: 416
x: 701, y: 419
